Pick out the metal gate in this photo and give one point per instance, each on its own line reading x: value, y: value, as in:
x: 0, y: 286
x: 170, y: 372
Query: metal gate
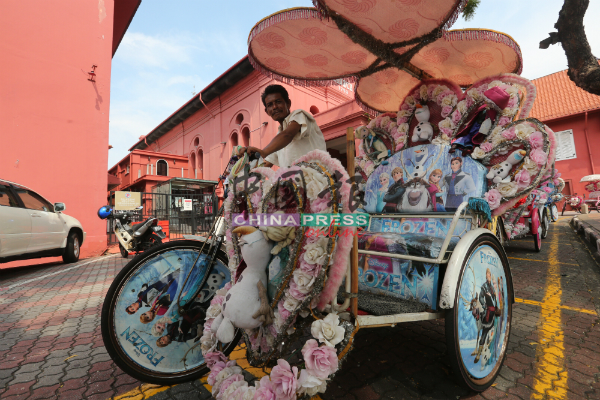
x: 169, y: 210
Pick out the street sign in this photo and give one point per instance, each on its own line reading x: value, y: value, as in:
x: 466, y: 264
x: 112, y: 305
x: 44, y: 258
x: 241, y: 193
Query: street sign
x: 127, y: 200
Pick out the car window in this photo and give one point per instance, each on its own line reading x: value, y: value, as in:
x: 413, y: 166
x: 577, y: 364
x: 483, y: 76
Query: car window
x: 6, y: 197
x: 33, y: 201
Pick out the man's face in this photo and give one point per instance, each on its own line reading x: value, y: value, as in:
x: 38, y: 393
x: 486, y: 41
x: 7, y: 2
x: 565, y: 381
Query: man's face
x: 455, y: 165
x: 488, y: 276
x: 133, y: 307
x: 397, y: 176
x: 276, y: 107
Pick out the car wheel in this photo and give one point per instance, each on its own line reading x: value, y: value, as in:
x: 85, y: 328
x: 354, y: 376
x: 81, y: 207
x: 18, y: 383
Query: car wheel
x: 72, y: 250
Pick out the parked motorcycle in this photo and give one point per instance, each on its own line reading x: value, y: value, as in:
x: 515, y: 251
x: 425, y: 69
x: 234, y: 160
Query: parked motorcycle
x: 136, y: 238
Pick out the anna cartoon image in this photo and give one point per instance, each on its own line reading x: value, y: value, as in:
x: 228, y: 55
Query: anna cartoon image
x: 435, y: 191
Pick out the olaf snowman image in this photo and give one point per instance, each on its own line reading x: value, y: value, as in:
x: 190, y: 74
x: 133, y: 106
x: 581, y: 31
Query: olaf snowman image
x: 424, y: 130
x: 246, y: 305
x: 500, y: 172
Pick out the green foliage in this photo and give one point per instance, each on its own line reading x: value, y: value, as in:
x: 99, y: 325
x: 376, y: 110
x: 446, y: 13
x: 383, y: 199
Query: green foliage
x: 469, y: 11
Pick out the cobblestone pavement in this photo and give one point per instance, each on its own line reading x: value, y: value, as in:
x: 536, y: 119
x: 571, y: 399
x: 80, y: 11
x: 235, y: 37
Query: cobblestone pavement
x: 51, y: 347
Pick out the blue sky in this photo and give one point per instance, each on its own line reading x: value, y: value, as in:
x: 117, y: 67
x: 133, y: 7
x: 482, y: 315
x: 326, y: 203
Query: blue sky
x: 175, y: 48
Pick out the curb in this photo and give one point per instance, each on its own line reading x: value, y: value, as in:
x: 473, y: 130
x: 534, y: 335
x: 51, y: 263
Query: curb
x: 591, y: 235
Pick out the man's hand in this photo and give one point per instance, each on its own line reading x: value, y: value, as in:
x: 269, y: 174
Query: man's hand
x: 251, y: 150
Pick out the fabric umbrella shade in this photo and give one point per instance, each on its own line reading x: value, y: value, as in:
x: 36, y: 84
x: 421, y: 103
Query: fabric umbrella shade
x: 301, y: 47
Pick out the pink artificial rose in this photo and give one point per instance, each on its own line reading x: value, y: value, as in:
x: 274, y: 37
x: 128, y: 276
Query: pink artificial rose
x: 402, y: 120
x: 295, y: 293
x: 207, y: 324
x: 320, y: 204
x: 456, y: 116
x: 487, y: 147
x: 443, y: 95
x: 266, y: 390
x: 536, y: 139
x: 469, y: 101
x: 284, y: 380
x: 218, y: 300
x: 399, y: 146
x: 320, y: 361
x: 213, y: 358
x: 405, y: 107
x: 310, y: 269
x: 538, y: 156
x: 493, y: 198
x: 285, y: 314
x: 255, y: 197
x: 228, y: 286
x: 446, y: 131
x: 227, y: 382
x: 503, y: 121
x: 512, y: 102
x: 548, y: 190
x: 214, y: 371
x: 430, y: 90
x: 522, y: 178
x: 446, y: 110
x: 509, y: 134
x: 556, y: 182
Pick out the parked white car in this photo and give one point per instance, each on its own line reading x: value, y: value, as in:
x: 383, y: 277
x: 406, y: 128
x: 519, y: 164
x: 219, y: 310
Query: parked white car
x: 32, y: 227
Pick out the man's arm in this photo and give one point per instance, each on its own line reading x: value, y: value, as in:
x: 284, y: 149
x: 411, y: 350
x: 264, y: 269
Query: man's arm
x: 280, y: 141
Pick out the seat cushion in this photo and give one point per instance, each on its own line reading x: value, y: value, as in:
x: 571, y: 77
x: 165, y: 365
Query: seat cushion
x: 424, y: 178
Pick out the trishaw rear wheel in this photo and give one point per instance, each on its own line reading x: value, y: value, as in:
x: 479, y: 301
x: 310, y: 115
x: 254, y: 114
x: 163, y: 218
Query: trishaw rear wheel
x: 166, y: 271
x: 545, y: 223
x: 478, y: 326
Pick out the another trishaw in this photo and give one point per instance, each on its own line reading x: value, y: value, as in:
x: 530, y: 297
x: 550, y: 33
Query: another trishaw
x: 433, y: 190
x: 593, y: 188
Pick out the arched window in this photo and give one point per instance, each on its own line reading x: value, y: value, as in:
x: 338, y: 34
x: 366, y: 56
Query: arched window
x: 245, y: 137
x: 239, y: 119
x: 162, y: 168
x: 196, y: 142
x: 193, y: 169
x: 200, y: 164
x: 234, y: 140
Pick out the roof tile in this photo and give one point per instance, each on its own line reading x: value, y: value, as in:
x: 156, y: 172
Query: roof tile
x: 558, y: 96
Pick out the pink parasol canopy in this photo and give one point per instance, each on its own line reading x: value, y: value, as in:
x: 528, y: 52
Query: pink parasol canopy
x: 365, y: 42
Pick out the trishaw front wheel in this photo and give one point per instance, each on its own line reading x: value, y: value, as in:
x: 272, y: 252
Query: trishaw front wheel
x: 153, y: 314
x: 478, y: 326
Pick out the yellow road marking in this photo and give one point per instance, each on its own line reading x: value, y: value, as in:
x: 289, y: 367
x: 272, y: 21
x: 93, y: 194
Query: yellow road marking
x: 551, y: 375
x: 539, y: 303
x: 238, y: 354
x: 544, y: 261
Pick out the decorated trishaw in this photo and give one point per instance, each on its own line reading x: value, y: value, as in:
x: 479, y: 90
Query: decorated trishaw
x: 574, y: 201
x: 593, y: 188
x: 410, y: 230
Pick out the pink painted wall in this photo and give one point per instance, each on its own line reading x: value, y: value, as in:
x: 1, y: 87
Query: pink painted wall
x: 201, y: 135
x: 573, y: 170
x: 52, y: 119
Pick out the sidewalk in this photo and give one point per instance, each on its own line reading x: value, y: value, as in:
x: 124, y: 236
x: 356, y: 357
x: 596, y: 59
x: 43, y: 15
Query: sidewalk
x: 589, y: 225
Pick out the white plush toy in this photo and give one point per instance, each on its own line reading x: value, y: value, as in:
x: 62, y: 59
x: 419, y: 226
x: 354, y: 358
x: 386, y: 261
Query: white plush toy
x: 500, y: 172
x: 246, y: 305
x: 424, y: 130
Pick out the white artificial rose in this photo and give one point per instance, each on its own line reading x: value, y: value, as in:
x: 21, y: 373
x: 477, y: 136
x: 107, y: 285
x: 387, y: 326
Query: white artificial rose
x: 523, y: 131
x: 316, y: 253
x: 249, y: 394
x: 474, y: 94
x: 315, y: 181
x: 290, y: 303
x: 449, y: 100
x: 531, y: 167
x: 310, y: 385
x: 410, y: 101
x: 423, y: 92
x: 507, y: 189
x: 438, y: 90
x: 303, y: 281
x: 278, y: 319
x: 213, y: 311
x: 496, y: 140
x: 227, y: 394
x: 494, y: 84
x: 497, y: 131
x: 447, y: 123
x: 392, y: 126
x: 224, y: 374
x: 462, y: 107
x: 508, y: 112
x: 512, y: 91
x: 207, y: 341
x: 328, y: 330
x: 404, y: 113
x: 402, y: 128
x: 478, y: 153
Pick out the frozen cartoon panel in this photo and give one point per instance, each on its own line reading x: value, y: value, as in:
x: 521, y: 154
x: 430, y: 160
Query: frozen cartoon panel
x: 150, y: 328
x: 424, y: 178
x: 482, y: 312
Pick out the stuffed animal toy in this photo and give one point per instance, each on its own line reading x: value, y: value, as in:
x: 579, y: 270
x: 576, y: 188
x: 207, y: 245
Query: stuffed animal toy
x: 373, y: 141
x: 246, y: 305
x: 424, y: 130
x: 500, y: 172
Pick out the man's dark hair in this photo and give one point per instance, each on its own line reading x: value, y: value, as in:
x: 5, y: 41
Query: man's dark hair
x: 272, y: 89
x: 460, y: 160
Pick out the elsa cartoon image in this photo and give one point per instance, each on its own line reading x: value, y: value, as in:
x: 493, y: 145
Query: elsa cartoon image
x: 384, y: 181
